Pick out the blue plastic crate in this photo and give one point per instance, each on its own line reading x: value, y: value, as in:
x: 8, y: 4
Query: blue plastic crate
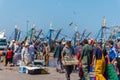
x: 22, y: 69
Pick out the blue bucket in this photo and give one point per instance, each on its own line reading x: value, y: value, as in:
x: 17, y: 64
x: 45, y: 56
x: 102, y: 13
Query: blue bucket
x: 91, y: 68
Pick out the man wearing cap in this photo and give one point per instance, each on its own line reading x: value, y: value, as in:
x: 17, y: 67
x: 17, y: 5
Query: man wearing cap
x: 68, y: 50
x: 85, y: 58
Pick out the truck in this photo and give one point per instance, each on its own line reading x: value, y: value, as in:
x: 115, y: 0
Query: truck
x: 3, y: 43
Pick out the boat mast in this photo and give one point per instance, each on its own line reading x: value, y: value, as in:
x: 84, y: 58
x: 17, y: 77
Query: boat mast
x: 103, y: 27
x: 27, y: 22
x: 50, y: 34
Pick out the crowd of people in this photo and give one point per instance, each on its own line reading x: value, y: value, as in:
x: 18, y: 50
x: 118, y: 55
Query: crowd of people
x: 24, y: 52
x: 102, y: 58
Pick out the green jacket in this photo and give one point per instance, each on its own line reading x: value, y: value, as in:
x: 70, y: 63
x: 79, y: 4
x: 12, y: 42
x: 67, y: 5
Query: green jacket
x: 85, y: 54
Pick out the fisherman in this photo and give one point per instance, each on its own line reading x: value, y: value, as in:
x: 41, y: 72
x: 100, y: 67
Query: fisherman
x: 112, y: 75
x: 80, y: 63
x: 41, y: 51
x: 58, y: 56
x: 23, y: 51
x: 91, y: 43
x: 17, y: 51
x: 46, y: 53
x: 68, y: 51
x: 99, y: 54
x: 76, y: 49
x: 85, y: 58
x: 112, y: 52
x: 32, y: 51
x: 26, y: 57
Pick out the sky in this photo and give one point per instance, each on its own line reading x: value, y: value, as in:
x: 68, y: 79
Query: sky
x: 87, y: 14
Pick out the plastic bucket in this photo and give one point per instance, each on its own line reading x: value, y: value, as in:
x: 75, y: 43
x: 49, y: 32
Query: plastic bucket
x: 91, y: 68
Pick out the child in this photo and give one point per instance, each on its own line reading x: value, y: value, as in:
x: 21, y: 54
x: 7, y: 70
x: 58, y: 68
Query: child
x: 9, y: 56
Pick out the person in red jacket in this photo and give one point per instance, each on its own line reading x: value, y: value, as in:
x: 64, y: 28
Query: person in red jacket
x: 9, y: 56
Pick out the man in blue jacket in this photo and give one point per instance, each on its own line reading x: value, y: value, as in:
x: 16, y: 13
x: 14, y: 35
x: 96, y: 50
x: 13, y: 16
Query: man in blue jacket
x: 112, y: 52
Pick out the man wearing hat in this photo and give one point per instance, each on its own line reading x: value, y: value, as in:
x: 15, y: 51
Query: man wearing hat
x: 26, y: 57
